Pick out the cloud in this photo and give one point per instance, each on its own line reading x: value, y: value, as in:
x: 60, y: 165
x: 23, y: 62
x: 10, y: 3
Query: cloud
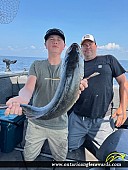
x: 109, y: 46
x: 11, y: 48
x: 33, y: 47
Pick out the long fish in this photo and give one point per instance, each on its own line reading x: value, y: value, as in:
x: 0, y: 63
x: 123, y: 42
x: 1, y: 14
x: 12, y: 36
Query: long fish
x: 67, y: 92
x: 66, y: 95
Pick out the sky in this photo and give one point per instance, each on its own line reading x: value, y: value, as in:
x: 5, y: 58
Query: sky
x: 106, y: 20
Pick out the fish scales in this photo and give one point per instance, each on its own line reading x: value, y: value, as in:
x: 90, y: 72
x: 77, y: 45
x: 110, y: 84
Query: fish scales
x: 67, y: 91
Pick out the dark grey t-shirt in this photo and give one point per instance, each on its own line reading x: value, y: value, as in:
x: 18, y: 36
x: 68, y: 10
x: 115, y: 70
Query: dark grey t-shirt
x: 94, y: 101
x: 44, y: 91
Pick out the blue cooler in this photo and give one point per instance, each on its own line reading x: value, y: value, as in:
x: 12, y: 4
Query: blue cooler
x: 11, y: 131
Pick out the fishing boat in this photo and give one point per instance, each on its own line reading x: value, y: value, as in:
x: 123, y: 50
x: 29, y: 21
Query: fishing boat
x: 13, y: 128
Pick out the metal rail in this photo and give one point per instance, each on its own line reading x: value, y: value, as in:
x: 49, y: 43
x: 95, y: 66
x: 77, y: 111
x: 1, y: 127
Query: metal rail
x: 12, y: 74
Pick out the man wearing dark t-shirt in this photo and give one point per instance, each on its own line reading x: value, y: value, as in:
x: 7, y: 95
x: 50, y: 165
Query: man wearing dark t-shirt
x: 91, y: 115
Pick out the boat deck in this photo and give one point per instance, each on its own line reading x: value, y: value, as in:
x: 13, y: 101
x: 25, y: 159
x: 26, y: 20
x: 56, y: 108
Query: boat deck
x: 16, y: 157
x: 14, y: 160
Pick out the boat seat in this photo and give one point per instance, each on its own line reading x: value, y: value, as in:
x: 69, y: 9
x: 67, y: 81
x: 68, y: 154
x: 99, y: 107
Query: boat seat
x: 117, y: 142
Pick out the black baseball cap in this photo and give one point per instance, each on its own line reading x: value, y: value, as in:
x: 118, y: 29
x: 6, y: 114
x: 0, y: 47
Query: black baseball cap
x: 54, y: 31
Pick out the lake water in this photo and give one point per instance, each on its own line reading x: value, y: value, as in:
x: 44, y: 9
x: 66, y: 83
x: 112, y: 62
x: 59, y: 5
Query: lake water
x: 21, y: 64
x: 25, y: 62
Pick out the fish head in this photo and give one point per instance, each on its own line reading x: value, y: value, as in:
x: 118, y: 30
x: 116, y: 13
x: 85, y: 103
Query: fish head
x: 73, y: 52
x: 74, y: 59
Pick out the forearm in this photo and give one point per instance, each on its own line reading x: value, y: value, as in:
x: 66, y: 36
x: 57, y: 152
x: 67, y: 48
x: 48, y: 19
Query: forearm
x: 120, y: 112
x: 123, y: 98
x: 126, y: 90
x: 26, y: 94
x: 24, y: 97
